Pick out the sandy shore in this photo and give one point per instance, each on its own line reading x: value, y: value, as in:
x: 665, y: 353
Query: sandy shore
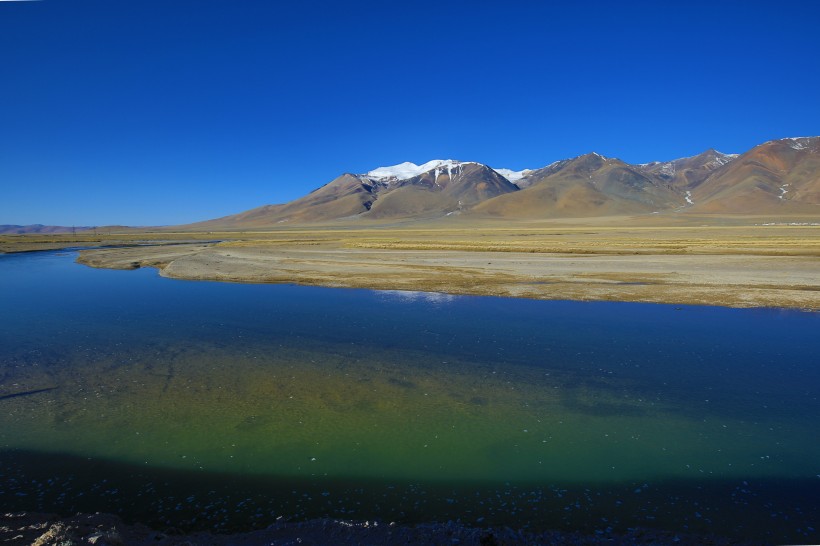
x: 747, y: 263
x: 705, y: 273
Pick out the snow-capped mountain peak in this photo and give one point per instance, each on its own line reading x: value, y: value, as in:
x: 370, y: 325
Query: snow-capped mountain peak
x: 406, y: 170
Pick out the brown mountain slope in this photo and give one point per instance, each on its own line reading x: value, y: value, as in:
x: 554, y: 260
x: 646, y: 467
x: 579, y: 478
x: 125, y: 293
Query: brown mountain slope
x: 474, y: 183
x: 588, y: 185
x: 777, y: 177
x: 412, y: 202
x: 345, y: 196
x: 688, y: 172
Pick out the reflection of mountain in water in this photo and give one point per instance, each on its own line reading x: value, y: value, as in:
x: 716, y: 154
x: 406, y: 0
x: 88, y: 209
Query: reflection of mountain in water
x: 409, y: 295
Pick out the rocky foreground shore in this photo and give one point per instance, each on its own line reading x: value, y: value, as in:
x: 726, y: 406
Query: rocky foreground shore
x: 38, y: 529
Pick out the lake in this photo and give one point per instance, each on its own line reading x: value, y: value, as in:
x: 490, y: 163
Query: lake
x: 202, y: 405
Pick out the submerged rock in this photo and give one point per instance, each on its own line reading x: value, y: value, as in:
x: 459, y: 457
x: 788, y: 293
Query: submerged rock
x: 37, y: 529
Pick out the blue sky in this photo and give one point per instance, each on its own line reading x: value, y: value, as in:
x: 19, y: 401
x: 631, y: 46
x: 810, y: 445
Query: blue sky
x: 158, y: 112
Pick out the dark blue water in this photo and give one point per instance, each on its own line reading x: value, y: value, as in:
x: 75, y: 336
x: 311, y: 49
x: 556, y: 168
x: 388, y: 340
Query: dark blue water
x: 401, y: 406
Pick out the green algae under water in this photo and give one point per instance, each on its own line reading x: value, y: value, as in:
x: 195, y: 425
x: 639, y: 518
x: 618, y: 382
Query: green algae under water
x: 208, y: 405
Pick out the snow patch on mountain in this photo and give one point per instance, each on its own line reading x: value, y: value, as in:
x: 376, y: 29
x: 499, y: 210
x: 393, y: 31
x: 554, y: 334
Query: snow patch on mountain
x: 722, y: 159
x: 668, y: 169
x: 800, y: 143
x: 451, y: 170
x: 512, y: 175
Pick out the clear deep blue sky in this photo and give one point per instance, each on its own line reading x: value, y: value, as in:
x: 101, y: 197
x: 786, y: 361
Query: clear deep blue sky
x: 162, y: 111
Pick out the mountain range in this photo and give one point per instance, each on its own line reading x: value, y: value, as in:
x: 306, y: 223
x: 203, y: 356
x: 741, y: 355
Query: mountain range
x: 780, y: 177
x: 13, y: 229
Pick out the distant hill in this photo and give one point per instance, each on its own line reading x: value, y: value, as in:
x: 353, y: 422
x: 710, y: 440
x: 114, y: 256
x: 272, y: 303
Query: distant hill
x: 779, y: 177
x: 9, y: 229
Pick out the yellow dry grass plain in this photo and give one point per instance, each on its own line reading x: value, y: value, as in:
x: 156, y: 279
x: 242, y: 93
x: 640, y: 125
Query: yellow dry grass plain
x: 740, y: 262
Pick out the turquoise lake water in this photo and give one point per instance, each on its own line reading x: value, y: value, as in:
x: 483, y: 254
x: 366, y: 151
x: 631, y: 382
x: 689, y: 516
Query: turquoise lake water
x: 200, y: 405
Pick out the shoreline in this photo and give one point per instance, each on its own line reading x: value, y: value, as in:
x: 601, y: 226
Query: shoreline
x: 741, y: 281
x: 729, y: 265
